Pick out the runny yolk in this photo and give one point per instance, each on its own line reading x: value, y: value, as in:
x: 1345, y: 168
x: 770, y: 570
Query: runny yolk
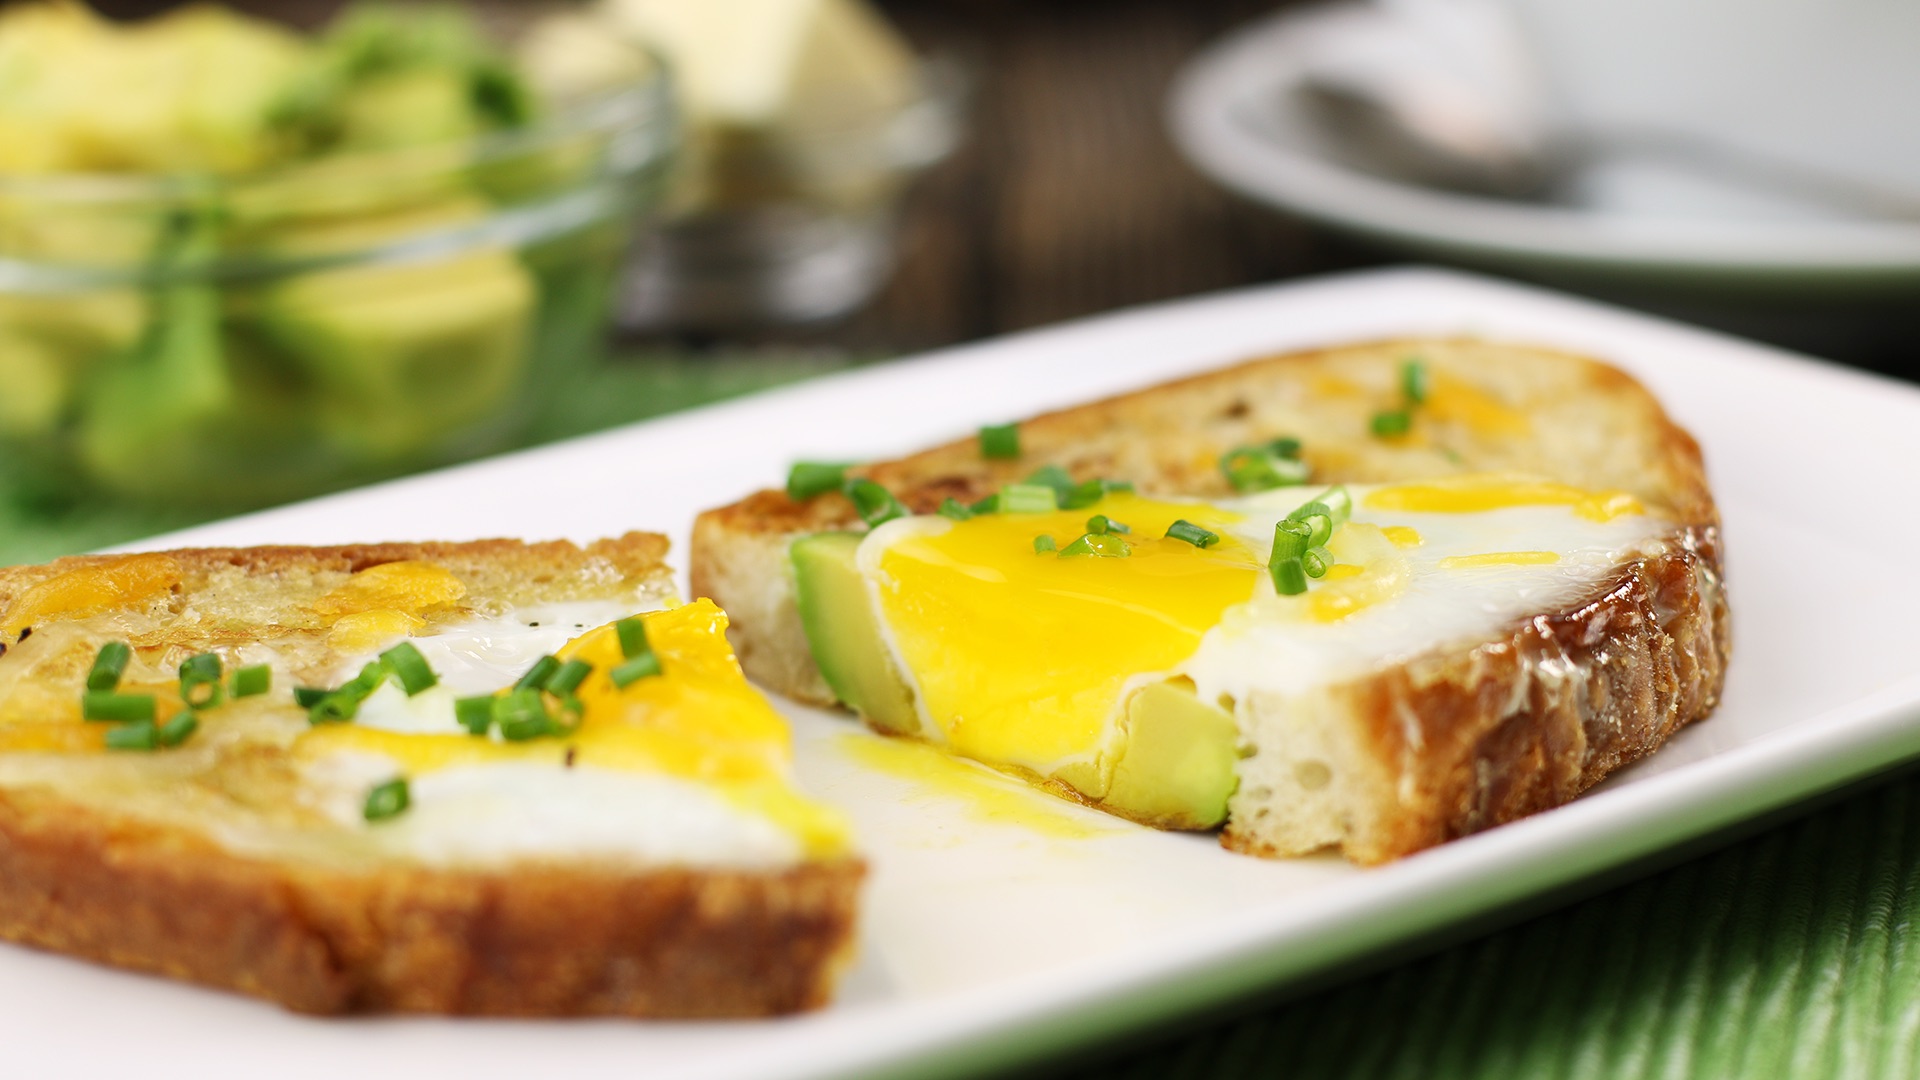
x: 1480, y: 493
x: 697, y: 720
x: 1021, y: 657
x: 1500, y: 558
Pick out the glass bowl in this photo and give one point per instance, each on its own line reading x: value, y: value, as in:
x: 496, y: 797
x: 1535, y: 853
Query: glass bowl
x: 791, y: 225
x: 237, y: 341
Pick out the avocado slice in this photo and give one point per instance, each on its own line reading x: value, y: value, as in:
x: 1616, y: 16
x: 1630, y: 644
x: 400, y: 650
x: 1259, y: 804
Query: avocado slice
x: 1177, y: 768
x: 844, y: 631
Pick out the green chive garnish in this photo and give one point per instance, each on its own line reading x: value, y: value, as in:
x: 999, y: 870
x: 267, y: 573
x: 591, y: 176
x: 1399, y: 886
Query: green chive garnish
x: 954, y: 510
x: 876, y: 504
x: 252, y: 681
x: 108, y: 664
x: 571, y: 712
x: 543, y: 669
x: 1393, y: 422
x: 1028, y: 499
x: 1055, y: 477
x: 308, y: 696
x: 390, y: 799
x: 1105, y: 545
x: 633, y: 636
x: 335, y: 708
x: 809, y: 478
x: 1318, y: 518
x: 200, y: 681
x: 1043, y: 544
x: 1413, y: 381
x: 1315, y: 561
x: 175, y: 731
x: 568, y: 679
x: 1092, y: 491
x: 135, y: 736
x: 109, y: 705
x: 1192, y: 534
x: 1272, y: 464
x: 988, y: 505
x: 640, y: 667
x: 1289, y: 576
x: 409, y: 668
x: 1290, y: 541
x: 521, y: 715
x: 474, y: 713
x: 1000, y: 441
x: 1101, y: 523
x: 1339, y: 503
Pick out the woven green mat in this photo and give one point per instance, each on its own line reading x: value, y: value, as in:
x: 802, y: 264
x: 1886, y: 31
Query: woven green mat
x: 1791, y: 954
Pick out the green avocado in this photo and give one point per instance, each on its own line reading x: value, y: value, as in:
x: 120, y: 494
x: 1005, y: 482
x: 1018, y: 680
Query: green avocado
x: 401, y: 356
x: 1177, y: 768
x: 844, y: 631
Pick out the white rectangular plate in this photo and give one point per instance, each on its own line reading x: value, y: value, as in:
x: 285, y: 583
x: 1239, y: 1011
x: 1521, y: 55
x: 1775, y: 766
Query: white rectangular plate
x: 1002, y: 926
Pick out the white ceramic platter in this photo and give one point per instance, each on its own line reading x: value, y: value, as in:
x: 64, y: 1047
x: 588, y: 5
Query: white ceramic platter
x: 1002, y: 927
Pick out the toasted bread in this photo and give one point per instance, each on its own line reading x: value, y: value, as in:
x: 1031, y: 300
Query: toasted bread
x: 214, y: 861
x: 1502, y: 726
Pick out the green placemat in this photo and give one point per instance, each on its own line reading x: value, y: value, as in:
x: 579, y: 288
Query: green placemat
x: 633, y: 387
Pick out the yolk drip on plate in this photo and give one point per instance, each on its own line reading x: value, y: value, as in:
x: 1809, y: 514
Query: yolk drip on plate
x: 1048, y: 642
x: 698, y: 720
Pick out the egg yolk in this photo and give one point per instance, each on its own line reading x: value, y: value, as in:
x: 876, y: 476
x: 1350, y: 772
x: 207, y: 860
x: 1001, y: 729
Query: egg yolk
x: 1022, y: 657
x: 697, y: 720
x: 1480, y: 493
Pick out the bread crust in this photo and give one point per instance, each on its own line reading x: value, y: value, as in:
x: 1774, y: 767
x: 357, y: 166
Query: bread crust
x: 1467, y: 739
x: 534, y: 941
x: 540, y: 939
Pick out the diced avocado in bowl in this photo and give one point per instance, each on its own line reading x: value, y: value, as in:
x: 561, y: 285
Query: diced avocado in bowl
x: 320, y: 261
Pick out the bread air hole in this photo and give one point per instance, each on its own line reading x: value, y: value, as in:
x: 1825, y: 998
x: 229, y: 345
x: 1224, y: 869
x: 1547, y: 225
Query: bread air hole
x: 1312, y: 775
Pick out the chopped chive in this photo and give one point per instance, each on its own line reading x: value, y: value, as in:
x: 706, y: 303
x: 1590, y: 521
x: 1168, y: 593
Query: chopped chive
x: 474, y: 713
x: 1289, y: 576
x: 1318, y: 516
x: 1101, y: 523
x: 537, y: 675
x: 569, y: 677
x: 336, y: 708
x: 571, y: 713
x: 1315, y: 561
x: 1105, y: 545
x: 410, y: 668
x: 1028, y: 499
x: 372, y: 674
x: 251, y: 681
x: 876, y: 504
x: 1391, y: 423
x: 388, y: 800
x: 1339, y: 503
x: 521, y: 715
x: 1272, y: 464
x: 1192, y: 534
x: 1000, y: 441
x: 640, y: 667
x: 1413, y: 381
x: 988, y: 505
x: 200, y: 681
x: 108, y: 664
x: 633, y: 636
x: 1055, y: 477
x: 109, y: 705
x: 1043, y: 544
x: 809, y: 478
x: 954, y: 510
x: 175, y: 731
x: 140, y: 735
x: 308, y: 696
x: 1092, y: 491
x: 1290, y: 540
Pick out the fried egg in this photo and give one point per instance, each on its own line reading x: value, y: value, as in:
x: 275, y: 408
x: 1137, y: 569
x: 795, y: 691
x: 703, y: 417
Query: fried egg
x: 1025, y: 658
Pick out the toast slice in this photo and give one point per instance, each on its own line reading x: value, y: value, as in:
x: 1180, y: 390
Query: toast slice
x: 641, y: 855
x: 1460, y: 734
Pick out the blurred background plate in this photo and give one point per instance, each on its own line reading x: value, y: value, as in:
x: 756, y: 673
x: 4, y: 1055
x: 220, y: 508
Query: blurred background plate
x: 1803, y: 87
